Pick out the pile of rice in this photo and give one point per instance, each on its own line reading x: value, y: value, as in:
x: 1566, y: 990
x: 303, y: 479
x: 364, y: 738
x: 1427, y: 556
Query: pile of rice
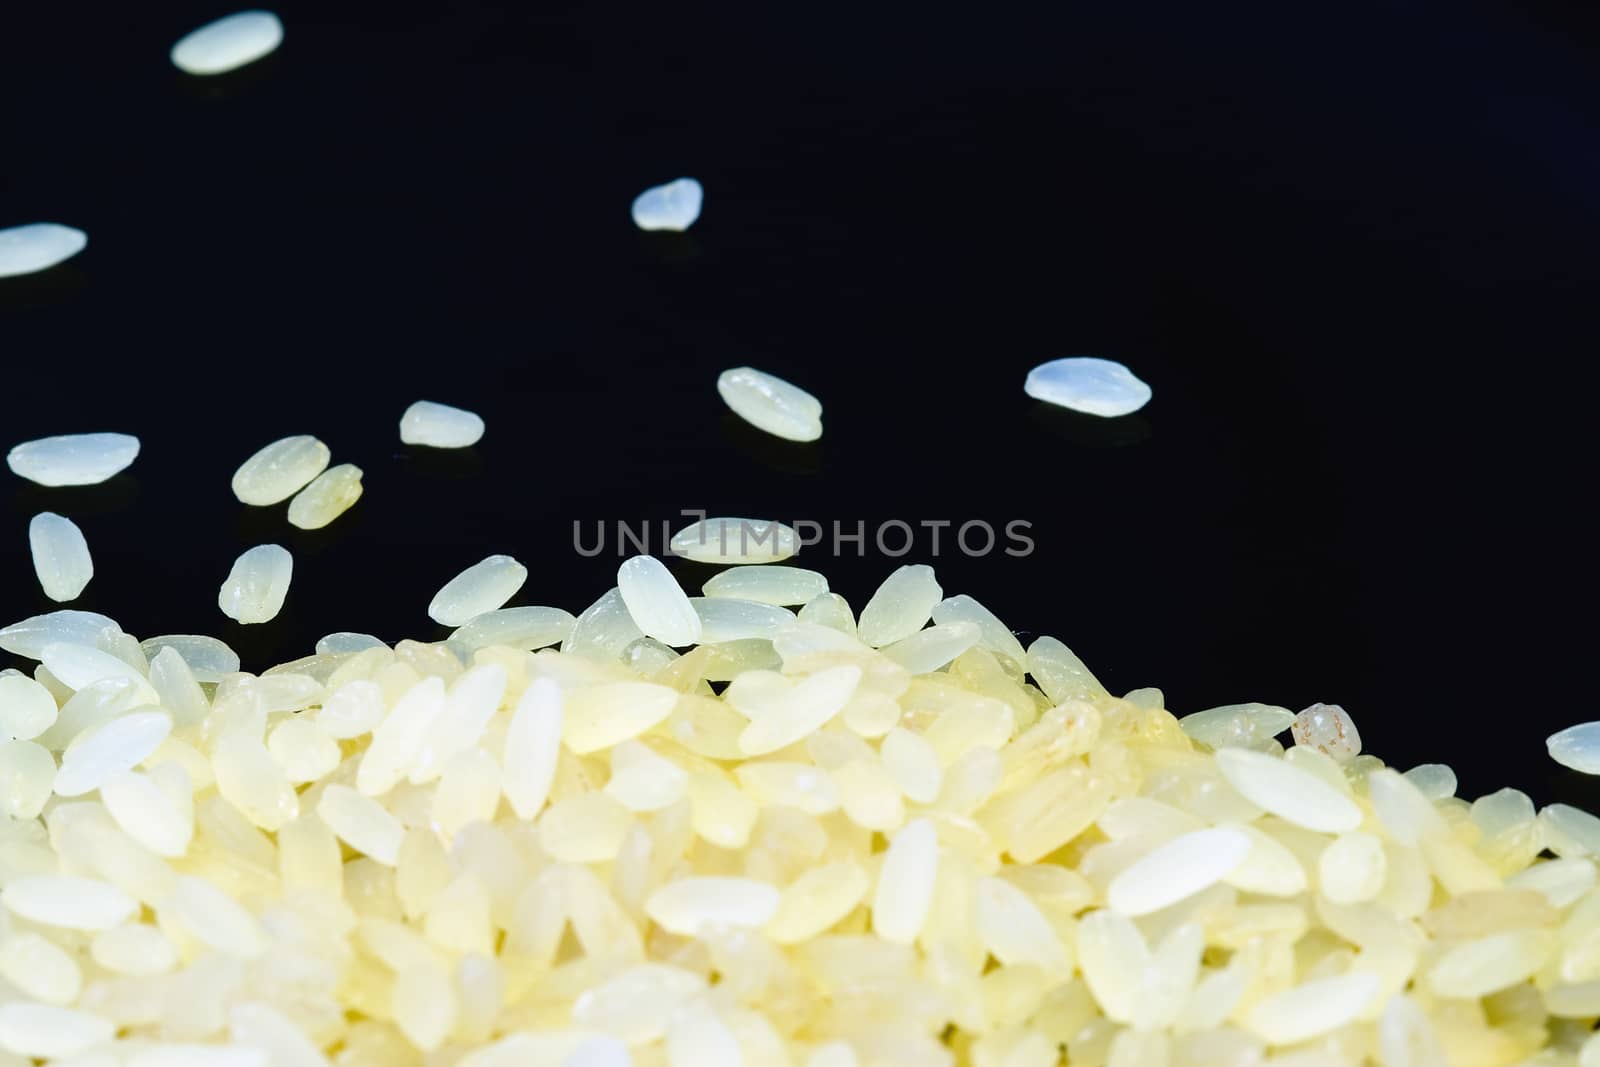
x: 816, y: 840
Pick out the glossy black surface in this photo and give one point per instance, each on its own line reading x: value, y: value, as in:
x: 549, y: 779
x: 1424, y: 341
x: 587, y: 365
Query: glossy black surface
x: 1352, y: 249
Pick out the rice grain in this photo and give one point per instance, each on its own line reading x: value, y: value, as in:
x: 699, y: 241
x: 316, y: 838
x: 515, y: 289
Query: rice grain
x: 435, y: 425
x: 73, y: 459
x: 228, y: 43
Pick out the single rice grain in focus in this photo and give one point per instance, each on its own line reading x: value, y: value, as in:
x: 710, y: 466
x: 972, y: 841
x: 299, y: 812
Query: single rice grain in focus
x: 73, y: 459
x: 60, y: 556
x: 436, y: 425
x: 769, y: 403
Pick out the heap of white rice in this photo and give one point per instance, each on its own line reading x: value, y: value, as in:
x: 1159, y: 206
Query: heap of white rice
x: 786, y: 846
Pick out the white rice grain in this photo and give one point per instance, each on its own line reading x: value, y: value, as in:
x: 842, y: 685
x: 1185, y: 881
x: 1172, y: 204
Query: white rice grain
x: 674, y: 206
x: 44, y: 1031
x: 1177, y: 870
x: 329, y: 495
x: 781, y: 586
x: 1287, y: 791
x: 728, y: 540
x: 1312, y: 1008
x: 905, y: 883
x: 26, y: 708
x: 484, y: 586
x: 73, y: 459
x: 228, y: 43
x: 900, y: 607
x: 257, y: 585
x: 67, y: 901
x: 656, y: 602
x: 771, y: 404
x: 38, y: 246
x: 279, y: 470
x: 435, y: 425
x: 60, y: 556
x: 119, y: 745
x: 691, y: 905
x: 1088, y: 384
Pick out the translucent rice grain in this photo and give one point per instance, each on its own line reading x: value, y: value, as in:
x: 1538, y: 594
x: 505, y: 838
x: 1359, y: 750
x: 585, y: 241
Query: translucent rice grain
x: 136, y: 950
x: 692, y: 905
x: 829, y: 610
x: 30, y: 637
x: 1328, y: 729
x: 330, y: 494
x: 1312, y: 1008
x: 526, y: 628
x: 148, y: 813
x: 1352, y: 869
x: 304, y: 750
x: 643, y: 781
x: 424, y: 1005
x: 40, y: 969
x: 726, y: 619
x: 1435, y: 781
x: 587, y: 828
x: 782, y: 586
x: 362, y: 823
x: 1113, y: 956
x: 803, y: 710
x: 347, y: 643
x: 207, y: 658
x: 1570, y: 831
x: 996, y: 636
x: 656, y: 602
x: 673, y: 206
x: 279, y: 470
x: 38, y: 246
x: 1489, y: 964
x: 533, y: 745
x: 697, y: 1038
x: 253, y: 782
x: 1288, y: 792
x: 260, y: 1025
x: 771, y: 404
x: 60, y: 556
x: 1577, y: 747
x: 214, y: 918
x: 1014, y: 931
x: 27, y: 777
x: 484, y: 586
x: 600, y: 716
x: 398, y: 738
x: 1177, y: 870
x: 1060, y: 673
x: 353, y: 709
x: 44, y: 1031
x: 119, y: 745
x: 68, y: 901
x: 905, y: 883
x: 437, y: 425
x: 732, y: 540
x: 228, y: 43
x: 817, y: 900
x: 929, y: 650
x: 73, y: 459
x: 257, y: 585
x: 26, y: 708
x: 1088, y: 384
x: 900, y: 607
x: 1406, y: 814
x: 913, y: 763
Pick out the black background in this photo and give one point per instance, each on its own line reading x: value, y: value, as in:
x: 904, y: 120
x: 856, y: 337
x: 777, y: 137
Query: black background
x: 1352, y: 247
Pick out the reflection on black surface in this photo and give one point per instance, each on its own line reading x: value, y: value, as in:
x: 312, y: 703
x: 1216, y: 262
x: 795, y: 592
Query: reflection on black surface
x: 1090, y: 431
x: 775, y: 453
